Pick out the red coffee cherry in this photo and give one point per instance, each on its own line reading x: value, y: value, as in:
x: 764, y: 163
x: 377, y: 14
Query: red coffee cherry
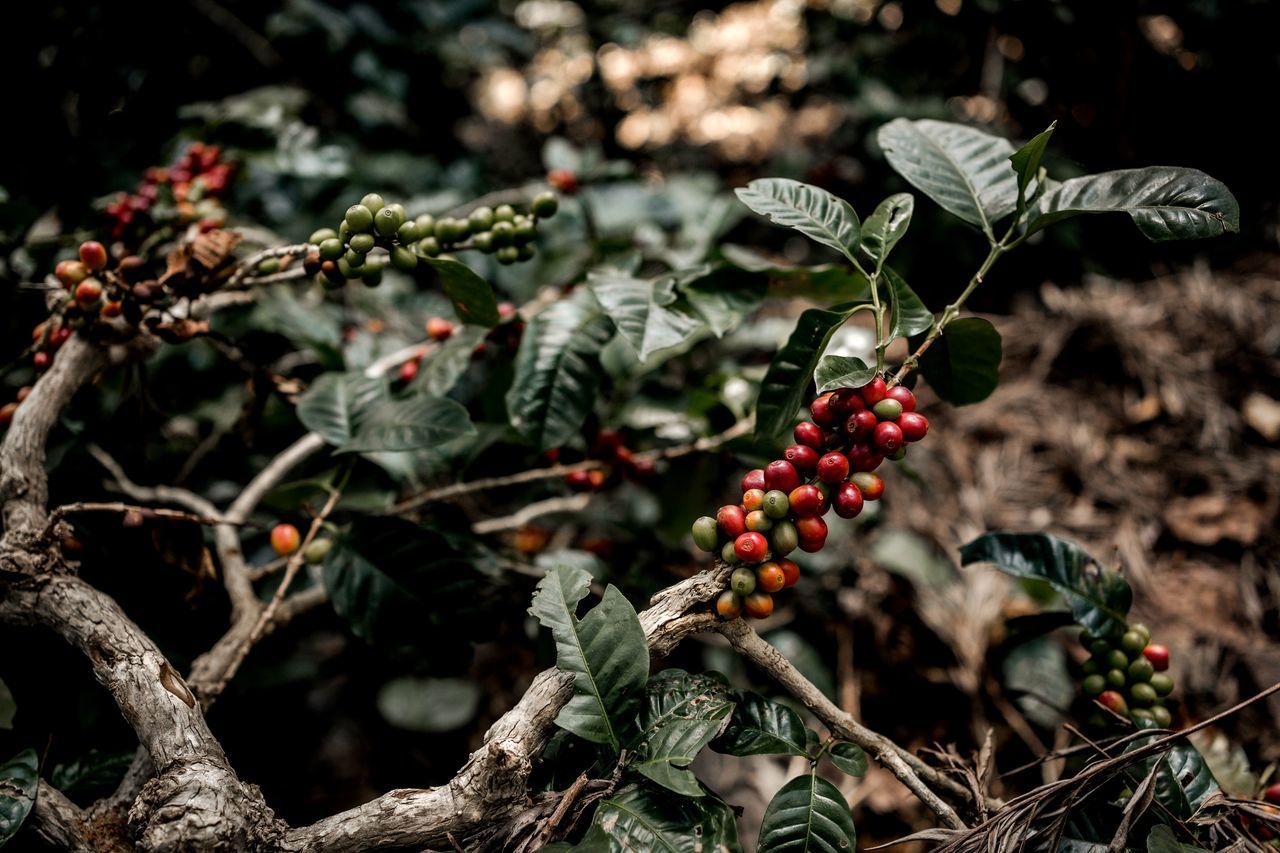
x: 846, y: 400
x: 770, y: 577
x: 810, y: 435
x: 1114, y: 701
x: 873, y: 392
x: 597, y: 478
x: 914, y: 425
x: 903, y: 395
x: 833, y: 468
x: 758, y: 605
x: 41, y: 360
x: 822, y: 413
x: 871, y: 486
x: 112, y: 308
x: 754, y: 479
x: 88, y: 292
x: 732, y: 520
x: 1272, y: 794
x: 848, y: 500
x: 803, y: 457
x: 751, y: 547
x: 863, y: 458
x: 807, y: 501
x: 6, y: 413
x: 781, y: 475
x: 1158, y: 655
x: 753, y: 499
x: 71, y: 273
x: 23, y: 392
x: 578, y: 481
x: 285, y: 539
x: 888, y: 437
x: 728, y: 605
x: 563, y: 180
x: 93, y: 255
x: 811, y: 528
x: 861, y: 424
x: 790, y: 571
x: 439, y: 329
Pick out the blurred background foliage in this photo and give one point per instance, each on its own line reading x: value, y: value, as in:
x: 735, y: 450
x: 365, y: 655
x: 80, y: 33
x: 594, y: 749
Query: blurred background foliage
x: 663, y: 105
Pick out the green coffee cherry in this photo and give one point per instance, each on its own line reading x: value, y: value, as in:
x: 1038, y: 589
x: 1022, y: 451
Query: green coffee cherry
x: 504, y: 213
x: 331, y: 249
x: 545, y: 205
x: 407, y: 233
x: 358, y: 218
x: 525, y: 253
x: 1089, y: 667
x: 344, y: 231
x: 483, y: 241
x: 1142, y: 695
x: 1143, y: 631
x: 345, y: 268
x: 705, y: 533
x: 507, y: 255
x: 269, y: 266
x: 1162, y: 717
x: 481, y: 219
x: 1094, y: 684
x: 776, y: 504
x: 374, y: 202
x: 1141, y: 715
x: 1133, y: 643
x: 1100, y: 648
x: 1115, y: 678
x: 403, y: 259
x: 371, y: 275
x: 728, y: 555
x: 1140, y: 671
x: 451, y: 230
x: 429, y: 246
x: 1162, y: 684
x: 783, y: 538
x: 387, y: 221
x: 524, y: 231
x: 426, y: 225
x: 354, y: 259
x: 317, y: 550
x: 362, y: 243
x: 742, y: 581
x: 887, y: 409
x: 318, y: 237
x: 1118, y: 659
x: 504, y: 233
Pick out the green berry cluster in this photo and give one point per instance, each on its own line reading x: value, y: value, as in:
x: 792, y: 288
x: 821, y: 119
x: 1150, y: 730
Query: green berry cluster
x: 1126, y: 674
x: 347, y: 252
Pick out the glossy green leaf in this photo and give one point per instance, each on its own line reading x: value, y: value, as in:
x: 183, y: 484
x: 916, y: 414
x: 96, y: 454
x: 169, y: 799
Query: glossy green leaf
x: 1162, y: 840
x: 648, y: 312
x: 814, y: 212
x: 760, y: 726
x: 1026, y: 160
x: 791, y: 370
x: 909, y: 314
x: 557, y: 370
x: 723, y: 296
x: 606, y: 652
x: 412, y: 423
x: 964, y: 170
x: 886, y: 226
x: 680, y: 716
x: 824, y: 283
x: 336, y: 401
x: 1165, y: 202
x: 1035, y: 675
x: 1098, y: 598
x: 19, y: 780
x: 471, y: 295
x: 849, y: 757
x: 842, y: 371
x: 807, y: 814
x: 441, y: 370
x: 1183, y: 778
x: 91, y: 773
x: 639, y: 819
x: 963, y: 365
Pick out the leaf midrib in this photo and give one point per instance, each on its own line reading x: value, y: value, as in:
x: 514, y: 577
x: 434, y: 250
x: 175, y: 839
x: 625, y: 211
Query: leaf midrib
x: 977, y: 200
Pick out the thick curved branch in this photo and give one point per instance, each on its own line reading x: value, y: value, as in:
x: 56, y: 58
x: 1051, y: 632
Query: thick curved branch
x: 59, y: 823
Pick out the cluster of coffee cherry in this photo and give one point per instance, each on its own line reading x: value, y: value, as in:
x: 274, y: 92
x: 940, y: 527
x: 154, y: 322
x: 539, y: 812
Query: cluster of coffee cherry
x: 1126, y: 675
x: 607, y: 447
x: 852, y: 431
x: 347, y: 252
x: 188, y: 191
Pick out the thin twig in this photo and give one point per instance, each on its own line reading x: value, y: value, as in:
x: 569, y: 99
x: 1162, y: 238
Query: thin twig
x: 528, y: 512
x: 119, y: 508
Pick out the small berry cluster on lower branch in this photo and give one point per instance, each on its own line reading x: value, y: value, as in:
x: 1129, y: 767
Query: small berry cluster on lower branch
x: 1125, y: 674
x: 852, y: 431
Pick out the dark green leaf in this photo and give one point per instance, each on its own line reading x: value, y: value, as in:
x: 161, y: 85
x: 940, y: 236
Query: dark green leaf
x: 723, y: 296
x: 471, y: 295
x: 910, y: 316
x: 681, y: 714
x: 791, y: 370
x: 647, y: 312
x: 886, y: 226
x: 964, y: 170
x: 335, y: 402
x: 638, y: 818
x: 814, y: 212
x: 1035, y: 675
x: 1165, y: 202
x: 849, y: 757
x: 19, y: 779
x: 412, y: 423
x: 807, y: 814
x: 606, y: 652
x: 1099, y: 598
x: 92, y: 772
x: 1026, y: 160
x: 763, y: 727
x: 963, y: 364
x: 826, y: 283
x: 1162, y: 840
x: 441, y: 370
x: 842, y: 371
x: 557, y: 370
x: 1183, y: 780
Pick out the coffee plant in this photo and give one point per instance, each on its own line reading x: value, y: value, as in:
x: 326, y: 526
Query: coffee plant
x: 561, y: 392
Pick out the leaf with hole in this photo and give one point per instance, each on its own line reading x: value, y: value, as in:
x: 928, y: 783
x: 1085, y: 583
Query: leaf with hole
x: 1183, y: 779
x: 886, y: 226
x: 963, y: 364
x: 807, y: 814
x: 680, y: 716
x: 760, y: 726
x: 813, y: 212
x: 641, y: 818
x: 1098, y: 598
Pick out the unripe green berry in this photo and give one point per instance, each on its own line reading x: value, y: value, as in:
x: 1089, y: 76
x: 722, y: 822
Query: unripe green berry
x: 899, y: 454
x: 504, y: 213
x: 742, y: 581
x: 317, y: 550
x: 1143, y: 631
x: 429, y: 246
x: 269, y: 266
x: 887, y: 409
x: 784, y: 538
x: 1140, y: 671
x: 1115, y: 678
x: 371, y: 275
x: 1094, y: 684
x: 523, y: 231
x: 776, y: 503
x: 331, y: 249
x: 507, y: 255
x: 358, y: 218
x: 407, y: 233
x: 483, y: 241
x: 1142, y: 694
x: 705, y: 533
x: 1118, y: 659
x: 354, y: 259
x: 344, y: 231
x: 545, y: 205
x: 1100, y: 648
x: 387, y: 221
x: 525, y: 253
x: 1089, y: 667
x: 403, y: 259
x: 1141, y: 715
x: 1162, y: 684
x: 1162, y: 717
x: 318, y: 237
x: 344, y: 268
x: 728, y: 555
x: 1133, y: 643
x: 362, y: 243
x: 481, y: 219
x: 374, y: 202
x: 426, y: 225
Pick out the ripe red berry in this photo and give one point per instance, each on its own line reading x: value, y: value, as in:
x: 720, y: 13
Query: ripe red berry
x: 1272, y: 794
x: 59, y: 337
x: 729, y: 605
x: 88, y: 291
x: 751, y: 547
x: 285, y: 539
x: 1158, y: 655
x: 563, y: 180
x: 93, y: 255
x: 805, y: 458
x: 758, y: 604
x: 888, y: 437
x: 780, y: 474
x: 871, y: 485
x: 873, y: 392
x: 845, y: 401
x: 41, y: 360
x: 832, y: 468
x: 1114, y: 701
x: 753, y: 499
x: 579, y: 481
x: 807, y: 501
x: 914, y: 425
x: 409, y: 370
x: 71, y: 273
x: 439, y: 329
x: 597, y: 478
x: 822, y: 413
x: 770, y: 577
x: 790, y: 571
x: 847, y: 501
x: 23, y: 392
x: 863, y: 458
x: 811, y: 528
x: 903, y: 395
x: 112, y: 308
x: 6, y: 413
x: 810, y: 435
x: 861, y: 424
x: 732, y: 520
x: 753, y: 479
